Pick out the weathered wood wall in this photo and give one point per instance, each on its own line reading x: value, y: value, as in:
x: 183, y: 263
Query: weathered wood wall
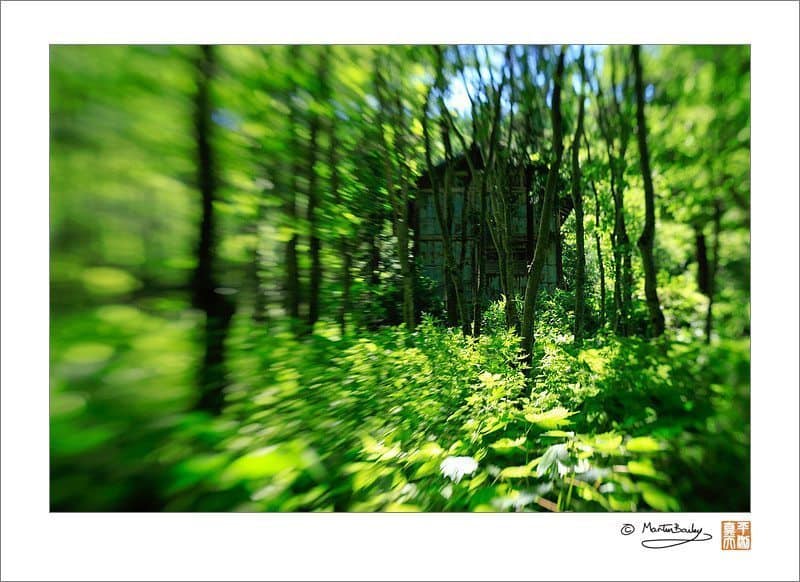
x: 430, y: 250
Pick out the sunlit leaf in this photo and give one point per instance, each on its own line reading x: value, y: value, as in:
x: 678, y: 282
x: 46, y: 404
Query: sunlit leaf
x: 643, y: 445
x: 658, y: 499
x: 506, y: 445
x: 554, y: 418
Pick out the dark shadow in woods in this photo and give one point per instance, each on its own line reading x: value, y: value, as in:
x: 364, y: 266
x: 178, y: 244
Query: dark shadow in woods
x: 218, y: 308
x: 212, y: 373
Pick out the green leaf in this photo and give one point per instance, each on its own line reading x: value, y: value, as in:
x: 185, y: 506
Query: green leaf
x: 658, y: 499
x: 506, y: 445
x: 427, y: 468
x: 259, y: 464
x: 88, y: 353
x: 554, y: 418
x: 643, y: 468
x: 520, y: 472
x: 589, y: 493
x: 619, y: 503
x: 607, y: 443
x: 643, y: 445
x: 109, y: 281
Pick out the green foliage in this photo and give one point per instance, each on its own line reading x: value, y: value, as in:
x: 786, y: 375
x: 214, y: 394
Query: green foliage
x: 435, y: 421
x: 365, y: 414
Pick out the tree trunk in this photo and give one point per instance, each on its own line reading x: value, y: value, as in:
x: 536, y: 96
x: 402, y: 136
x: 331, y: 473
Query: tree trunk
x: 647, y: 239
x: 537, y: 265
x: 599, y: 251
x: 374, y: 261
x: 344, y: 242
x: 218, y: 308
x: 397, y: 193
x: 623, y: 277
x: 618, y: 319
x: 502, y: 200
x: 373, y: 265
x: 557, y: 243
x: 622, y: 253
x: 292, y: 279
x: 315, y: 245
x: 405, y: 271
x: 402, y: 216
x: 443, y: 203
x: 598, y: 240
x: 466, y: 212
x: 314, y: 198
x: 479, y: 289
x: 347, y: 265
x: 712, y: 274
x: 703, y: 269
x: 260, y: 317
x: 487, y: 145
x: 577, y: 197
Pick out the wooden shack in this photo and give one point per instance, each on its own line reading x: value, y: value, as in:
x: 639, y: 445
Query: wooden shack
x: 522, y: 190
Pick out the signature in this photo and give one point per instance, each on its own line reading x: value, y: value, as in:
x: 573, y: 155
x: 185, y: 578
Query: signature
x: 671, y: 534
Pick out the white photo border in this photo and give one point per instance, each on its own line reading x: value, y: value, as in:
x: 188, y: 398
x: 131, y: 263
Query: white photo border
x: 39, y: 545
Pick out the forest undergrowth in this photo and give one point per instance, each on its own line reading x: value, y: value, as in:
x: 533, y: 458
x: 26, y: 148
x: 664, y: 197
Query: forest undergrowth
x: 395, y: 421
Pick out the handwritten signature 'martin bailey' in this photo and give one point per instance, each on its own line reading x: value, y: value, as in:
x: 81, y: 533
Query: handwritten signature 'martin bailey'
x: 677, y: 535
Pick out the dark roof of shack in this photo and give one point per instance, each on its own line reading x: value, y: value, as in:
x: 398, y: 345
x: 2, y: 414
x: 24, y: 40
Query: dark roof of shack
x: 461, y: 165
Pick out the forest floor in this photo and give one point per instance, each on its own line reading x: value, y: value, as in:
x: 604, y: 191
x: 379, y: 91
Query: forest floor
x: 393, y: 421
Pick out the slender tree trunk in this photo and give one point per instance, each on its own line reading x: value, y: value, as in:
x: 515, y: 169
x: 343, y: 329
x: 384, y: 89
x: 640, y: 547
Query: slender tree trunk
x: 347, y: 282
x: 398, y: 193
x: 315, y: 244
x: 487, y: 150
x: 623, y: 276
x: 405, y: 271
x: 512, y: 319
x: 375, y: 224
x: 598, y: 240
x: 599, y: 251
x: 557, y: 243
x: 577, y: 197
x: 462, y: 258
x: 403, y: 232
x: 443, y: 203
x: 542, y: 240
x: 647, y: 238
x: 622, y: 253
x: 292, y: 280
x: 374, y: 260
x: 344, y: 242
x: 703, y: 268
x: 314, y: 197
x: 509, y: 205
x: 444, y: 211
x: 626, y: 248
x: 260, y: 299
x: 712, y: 274
x: 487, y: 175
x: 627, y: 283
x: 480, y: 277
x: 500, y: 231
x: 618, y: 319
x: 218, y: 308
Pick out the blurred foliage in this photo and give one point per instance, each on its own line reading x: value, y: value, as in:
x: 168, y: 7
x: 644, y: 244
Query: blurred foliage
x: 370, y: 416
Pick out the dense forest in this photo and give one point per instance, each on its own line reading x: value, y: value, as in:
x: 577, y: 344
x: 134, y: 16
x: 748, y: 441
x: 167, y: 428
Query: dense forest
x: 246, y: 314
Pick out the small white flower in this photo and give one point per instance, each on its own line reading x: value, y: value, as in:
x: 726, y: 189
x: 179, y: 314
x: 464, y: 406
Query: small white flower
x: 456, y: 467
